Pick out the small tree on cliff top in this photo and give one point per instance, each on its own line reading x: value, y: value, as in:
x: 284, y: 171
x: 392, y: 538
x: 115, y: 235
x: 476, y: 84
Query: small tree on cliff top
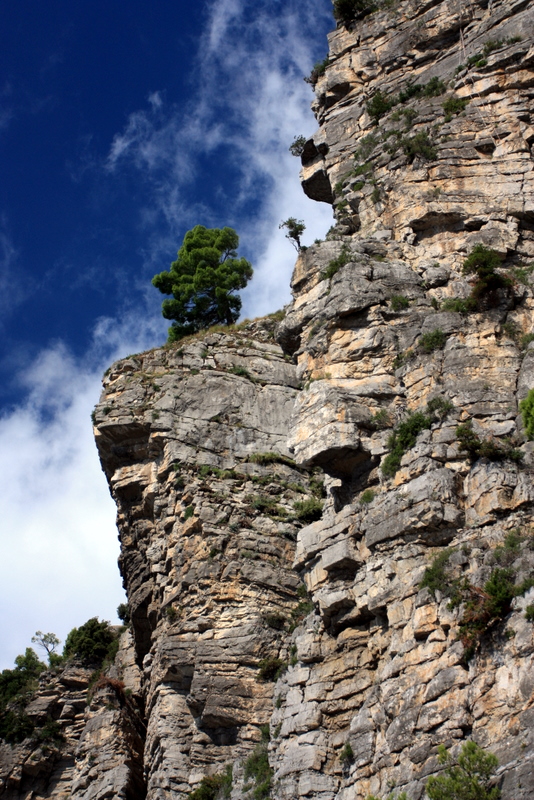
x: 203, y: 281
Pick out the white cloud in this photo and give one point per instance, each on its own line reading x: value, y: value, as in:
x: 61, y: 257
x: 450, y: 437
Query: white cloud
x: 59, y: 541
x: 59, y: 557
x: 251, y: 102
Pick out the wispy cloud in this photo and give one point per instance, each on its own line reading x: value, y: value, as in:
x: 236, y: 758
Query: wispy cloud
x: 248, y: 102
x: 59, y: 542
x: 234, y: 134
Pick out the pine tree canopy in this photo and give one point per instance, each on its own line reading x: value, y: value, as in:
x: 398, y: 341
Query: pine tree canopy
x: 203, y: 281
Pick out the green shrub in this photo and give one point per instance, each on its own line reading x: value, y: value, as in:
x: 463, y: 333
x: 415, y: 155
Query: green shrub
x: 241, y: 372
x: 319, y: 68
x: 482, y: 262
x: 296, y: 148
x: 362, y: 169
x: 439, y: 407
x: 434, y: 87
x: 123, y: 613
x: 476, y: 447
x: 523, y: 273
x: 419, y: 145
x: 366, y: 146
x: 15, y: 726
x: 49, y: 732
x: 434, y: 577
x: 526, y: 340
x: 214, y: 787
x: 406, y: 432
x: 434, y: 340
x: 409, y: 91
x: 271, y: 458
x: 508, y: 551
x: 346, y: 11
x: 381, y: 420
x: 262, y: 502
x: 308, y: 510
x: 257, y: 768
x: 477, y: 61
x: 336, y: 264
x: 302, y: 610
x: 529, y: 613
x: 91, y: 642
x: 491, y: 45
x: 367, y: 497
x: 270, y: 669
x: 483, y: 607
x: 402, y: 439
x: 454, y: 105
x: 346, y: 755
x: 399, y: 302
x: 188, y: 513
x: 275, y: 620
x: 468, y: 779
x: 379, y: 105
x: 460, y: 305
x: 526, y: 407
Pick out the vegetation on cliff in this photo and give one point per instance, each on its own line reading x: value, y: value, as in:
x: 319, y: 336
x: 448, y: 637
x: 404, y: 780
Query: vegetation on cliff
x: 203, y: 281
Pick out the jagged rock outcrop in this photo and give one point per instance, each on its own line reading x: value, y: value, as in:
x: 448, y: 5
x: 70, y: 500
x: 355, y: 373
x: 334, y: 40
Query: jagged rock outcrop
x: 208, y: 536
x: 258, y: 597
x: 395, y: 161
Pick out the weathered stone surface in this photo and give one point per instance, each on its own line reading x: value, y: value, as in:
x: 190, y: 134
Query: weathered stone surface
x: 224, y: 569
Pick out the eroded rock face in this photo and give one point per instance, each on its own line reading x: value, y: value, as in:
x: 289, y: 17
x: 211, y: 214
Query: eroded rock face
x: 207, y: 532
x: 228, y: 577
x: 384, y: 665
x: 473, y: 181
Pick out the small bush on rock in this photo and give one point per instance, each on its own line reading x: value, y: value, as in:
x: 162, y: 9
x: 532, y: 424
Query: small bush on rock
x: 468, y: 779
x: 367, y: 497
x: 399, y: 302
x: 419, y: 145
x: 336, y: 264
x: 347, y: 754
x: 296, y: 148
x: 308, y: 510
x: 214, y: 787
x: 257, y: 768
x: 270, y: 669
x: 482, y: 262
x: 379, y: 105
x: 91, y: 642
x: 405, y: 434
x: 476, y: 447
x: 526, y: 407
x: 346, y: 11
x: 454, y: 105
x: 434, y: 340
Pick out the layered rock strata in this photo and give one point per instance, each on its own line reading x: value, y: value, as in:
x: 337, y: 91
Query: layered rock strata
x: 254, y: 601
x: 193, y: 440
x: 426, y: 136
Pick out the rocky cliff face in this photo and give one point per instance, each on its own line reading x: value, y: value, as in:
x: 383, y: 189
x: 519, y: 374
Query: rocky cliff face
x: 284, y: 488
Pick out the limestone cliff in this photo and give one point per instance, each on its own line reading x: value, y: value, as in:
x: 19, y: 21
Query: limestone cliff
x: 283, y: 487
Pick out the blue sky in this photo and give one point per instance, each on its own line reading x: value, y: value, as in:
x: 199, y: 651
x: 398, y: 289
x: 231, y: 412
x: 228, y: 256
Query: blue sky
x: 122, y: 125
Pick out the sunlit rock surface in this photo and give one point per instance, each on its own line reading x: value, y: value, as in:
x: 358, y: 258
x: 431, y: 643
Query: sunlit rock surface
x: 309, y: 562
